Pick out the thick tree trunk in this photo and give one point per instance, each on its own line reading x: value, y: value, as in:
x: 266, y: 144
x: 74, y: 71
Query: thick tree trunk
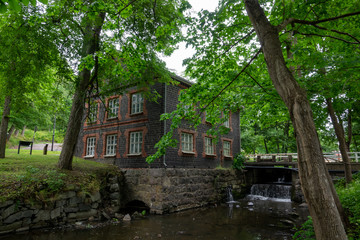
x: 316, y: 183
x: 10, y: 132
x: 23, y: 131
x: 340, y: 134
x: 91, y: 40
x: 4, y: 126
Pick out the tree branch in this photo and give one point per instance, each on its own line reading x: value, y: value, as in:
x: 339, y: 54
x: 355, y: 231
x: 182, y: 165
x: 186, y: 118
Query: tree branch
x: 224, y: 88
x: 329, y: 36
x: 293, y: 20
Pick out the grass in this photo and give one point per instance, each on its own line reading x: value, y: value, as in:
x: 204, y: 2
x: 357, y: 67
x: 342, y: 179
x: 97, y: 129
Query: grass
x: 40, y: 137
x: 36, y: 178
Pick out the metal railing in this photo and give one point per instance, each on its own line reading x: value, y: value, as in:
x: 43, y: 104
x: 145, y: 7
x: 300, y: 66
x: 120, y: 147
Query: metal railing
x: 292, y: 157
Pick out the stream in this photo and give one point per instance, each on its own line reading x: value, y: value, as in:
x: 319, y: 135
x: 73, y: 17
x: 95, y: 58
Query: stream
x: 250, y: 218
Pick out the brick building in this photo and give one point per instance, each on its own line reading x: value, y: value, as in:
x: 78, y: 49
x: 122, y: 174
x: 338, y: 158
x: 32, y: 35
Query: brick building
x: 126, y: 133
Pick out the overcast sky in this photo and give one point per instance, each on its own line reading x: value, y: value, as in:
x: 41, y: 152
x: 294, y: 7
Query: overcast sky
x: 174, y: 62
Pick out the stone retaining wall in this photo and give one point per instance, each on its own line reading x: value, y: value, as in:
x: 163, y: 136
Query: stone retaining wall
x: 173, y: 189
x: 65, y: 208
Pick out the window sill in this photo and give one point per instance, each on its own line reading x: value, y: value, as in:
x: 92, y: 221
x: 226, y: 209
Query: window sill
x: 188, y: 153
x: 228, y: 157
x: 111, y: 118
x: 210, y: 155
x: 134, y: 155
x: 110, y: 156
x: 89, y: 156
x: 136, y: 114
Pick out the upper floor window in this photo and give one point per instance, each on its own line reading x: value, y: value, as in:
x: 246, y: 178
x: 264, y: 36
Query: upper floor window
x: 113, y: 108
x: 90, y: 146
x: 137, y: 103
x: 111, y: 141
x: 136, y: 139
x: 92, y: 112
x: 187, y: 142
x: 227, y: 123
x: 227, y: 148
x: 209, y: 146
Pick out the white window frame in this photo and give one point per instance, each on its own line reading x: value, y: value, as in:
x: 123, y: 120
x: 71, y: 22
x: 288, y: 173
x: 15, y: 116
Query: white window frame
x: 137, y: 103
x: 209, y: 146
x: 113, y: 108
x: 90, y: 146
x: 135, y: 143
x: 227, y: 149
x: 93, y: 112
x: 111, y: 143
x: 187, y: 142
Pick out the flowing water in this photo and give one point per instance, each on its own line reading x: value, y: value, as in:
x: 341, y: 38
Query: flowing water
x: 249, y: 219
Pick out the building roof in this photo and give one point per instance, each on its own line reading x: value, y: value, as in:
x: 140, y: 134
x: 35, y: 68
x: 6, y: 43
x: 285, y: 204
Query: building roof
x: 181, y: 80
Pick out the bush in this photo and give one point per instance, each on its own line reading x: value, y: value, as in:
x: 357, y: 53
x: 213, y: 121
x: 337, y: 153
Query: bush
x: 239, y: 161
x: 306, y: 231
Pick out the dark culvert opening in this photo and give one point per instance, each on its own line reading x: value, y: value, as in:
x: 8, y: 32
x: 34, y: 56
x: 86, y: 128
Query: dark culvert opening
x: 135, y: 206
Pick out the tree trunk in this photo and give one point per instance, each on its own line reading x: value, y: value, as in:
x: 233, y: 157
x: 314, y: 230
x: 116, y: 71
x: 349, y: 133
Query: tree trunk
x: 349, y: 132
x: 91, y: 40
x: 315, y: 180
x: 16, y: 133
x: 23, y: 131
x: 4, y: 126
x: 339, y: 131
x: 10, y: 132
x: 265, y: 145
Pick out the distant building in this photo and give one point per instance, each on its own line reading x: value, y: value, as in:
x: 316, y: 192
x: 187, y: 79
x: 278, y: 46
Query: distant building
x: 125, y: 132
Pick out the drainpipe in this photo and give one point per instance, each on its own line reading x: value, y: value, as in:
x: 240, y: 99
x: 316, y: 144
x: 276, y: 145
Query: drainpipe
x: 165, y: 100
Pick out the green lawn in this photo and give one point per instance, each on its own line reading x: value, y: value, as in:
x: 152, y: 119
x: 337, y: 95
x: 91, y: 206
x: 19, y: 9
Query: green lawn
x: 36, y: 177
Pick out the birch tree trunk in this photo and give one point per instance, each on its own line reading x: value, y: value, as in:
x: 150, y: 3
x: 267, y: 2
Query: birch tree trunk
x: 316, y: 183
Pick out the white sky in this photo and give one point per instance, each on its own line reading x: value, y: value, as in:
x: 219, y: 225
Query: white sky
x: 174, y: 62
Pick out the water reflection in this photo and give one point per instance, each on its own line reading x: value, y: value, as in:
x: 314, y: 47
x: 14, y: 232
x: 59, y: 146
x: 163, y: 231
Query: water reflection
x: 262, y: 220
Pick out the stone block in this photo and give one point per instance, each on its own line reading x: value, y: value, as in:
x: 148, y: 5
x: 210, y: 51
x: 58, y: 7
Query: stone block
x: 6, y: 203
x: 71, y: 209
x: 115, y: 195
x: 96, y: 197
x: 60, y: 203
x: 84, y: 207
x: 114, y: 187
x: 10, y: 227
x: 74, y: 201
x: 55, y: 213
x: 19, y: 215
x: 42, y: 215
x: 8, y: 211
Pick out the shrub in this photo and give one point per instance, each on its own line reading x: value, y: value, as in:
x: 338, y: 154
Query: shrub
x: 306, y: 231
x: 239, y: 161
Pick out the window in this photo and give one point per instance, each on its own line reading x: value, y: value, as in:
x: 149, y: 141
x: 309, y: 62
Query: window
x: 227, y: 148
x: 92, y: 114
x: 111, y: 142
x: 90, y: 146
x: 209, y: 146
x: 113, y: 108
x: 135, y: 142
x: 227, y: 123
x: 187, y: 142
x: 137, y: 103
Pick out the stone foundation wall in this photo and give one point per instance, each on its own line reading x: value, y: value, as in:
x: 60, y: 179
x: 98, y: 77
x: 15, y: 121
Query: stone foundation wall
x: 170, y: 190
x: 65, y: 208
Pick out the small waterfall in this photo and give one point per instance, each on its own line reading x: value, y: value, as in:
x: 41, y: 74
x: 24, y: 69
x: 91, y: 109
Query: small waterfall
x: 274, y: 191
x: 229, y: 195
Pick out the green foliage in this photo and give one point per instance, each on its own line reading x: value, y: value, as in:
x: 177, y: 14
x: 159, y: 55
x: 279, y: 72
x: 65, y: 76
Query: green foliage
x: 35, y: 178
x: 239, y: 161
x: 349, y: 196
x: 306, y: 231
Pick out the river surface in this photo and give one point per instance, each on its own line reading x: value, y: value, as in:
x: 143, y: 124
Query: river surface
x: 270, y: 220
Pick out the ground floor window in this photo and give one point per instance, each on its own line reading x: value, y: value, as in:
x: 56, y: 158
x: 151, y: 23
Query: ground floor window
x: 187, y: 142
x: 90, y: 146
x: 209, y: 146
x: 136, y: 139
x: 227, y: 148
x: 111, y: 141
